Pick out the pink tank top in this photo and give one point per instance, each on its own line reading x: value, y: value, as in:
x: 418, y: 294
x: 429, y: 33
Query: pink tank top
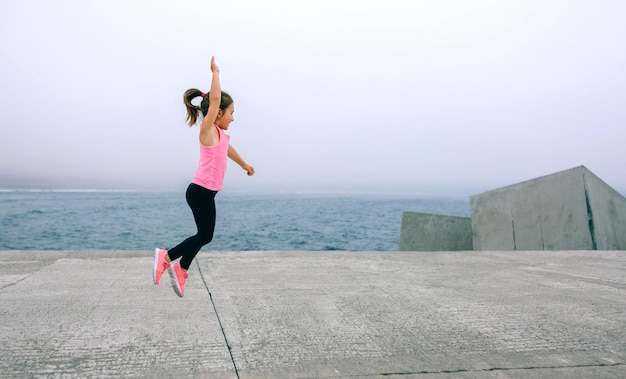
x: 212, y: 164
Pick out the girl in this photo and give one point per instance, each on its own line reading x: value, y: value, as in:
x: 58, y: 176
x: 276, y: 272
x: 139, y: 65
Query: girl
x: 217, y: 108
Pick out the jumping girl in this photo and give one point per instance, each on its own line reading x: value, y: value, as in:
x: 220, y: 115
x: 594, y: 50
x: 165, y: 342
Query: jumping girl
x: 217, y: 109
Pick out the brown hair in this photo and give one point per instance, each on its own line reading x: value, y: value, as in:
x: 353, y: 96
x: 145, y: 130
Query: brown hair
x: 193, y: 110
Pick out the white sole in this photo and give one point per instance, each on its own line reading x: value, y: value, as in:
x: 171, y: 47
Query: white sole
x: 175, y: 281
x: 156, y: 261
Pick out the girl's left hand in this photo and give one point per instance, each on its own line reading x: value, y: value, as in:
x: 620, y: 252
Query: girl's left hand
x: 249, y: 169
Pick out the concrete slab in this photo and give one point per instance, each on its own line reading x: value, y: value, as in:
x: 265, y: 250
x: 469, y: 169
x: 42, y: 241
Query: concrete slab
x: 435, y: 232
x: 97, y: 314
x: 534, y: 314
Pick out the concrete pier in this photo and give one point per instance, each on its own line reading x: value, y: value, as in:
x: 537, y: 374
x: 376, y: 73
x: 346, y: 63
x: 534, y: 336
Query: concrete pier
x: 487, y: 314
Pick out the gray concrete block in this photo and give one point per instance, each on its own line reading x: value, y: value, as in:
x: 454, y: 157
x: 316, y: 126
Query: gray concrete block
x: 433, y: 232
x: 568, y: 210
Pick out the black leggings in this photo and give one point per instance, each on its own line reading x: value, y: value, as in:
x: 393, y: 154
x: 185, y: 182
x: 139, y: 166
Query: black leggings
x: 202, y: 204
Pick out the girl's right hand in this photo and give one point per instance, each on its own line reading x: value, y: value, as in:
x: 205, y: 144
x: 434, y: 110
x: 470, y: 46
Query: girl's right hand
x: 214, y: 67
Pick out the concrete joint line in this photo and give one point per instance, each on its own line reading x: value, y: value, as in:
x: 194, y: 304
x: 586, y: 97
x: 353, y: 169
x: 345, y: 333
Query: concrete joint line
x: 14, y: 283
x: 496, y: 369
x: 232, y: 359
x: 578, y: 276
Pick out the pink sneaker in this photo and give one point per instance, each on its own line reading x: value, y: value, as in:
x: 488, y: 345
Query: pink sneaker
x: 160, y: 265
x: 179, y: 277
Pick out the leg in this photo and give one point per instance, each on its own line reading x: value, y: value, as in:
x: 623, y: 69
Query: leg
x: 202, y: 204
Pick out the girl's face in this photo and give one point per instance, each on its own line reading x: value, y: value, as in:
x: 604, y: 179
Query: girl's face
x: 225, y: 117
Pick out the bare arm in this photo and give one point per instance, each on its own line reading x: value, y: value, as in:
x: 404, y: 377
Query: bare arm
x: 215, y: 97
x: 234, y: 155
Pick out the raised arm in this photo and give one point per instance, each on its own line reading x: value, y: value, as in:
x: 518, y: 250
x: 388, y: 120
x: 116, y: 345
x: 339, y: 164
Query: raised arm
x: 215, y: 97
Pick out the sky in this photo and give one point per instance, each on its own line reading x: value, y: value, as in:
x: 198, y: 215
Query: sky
x: 396, y: 96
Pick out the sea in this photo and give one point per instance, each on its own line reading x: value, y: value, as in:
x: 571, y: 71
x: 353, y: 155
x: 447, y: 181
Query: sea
x: 136, y: 220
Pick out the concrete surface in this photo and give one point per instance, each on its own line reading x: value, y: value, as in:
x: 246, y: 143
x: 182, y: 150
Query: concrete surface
x: 534, y: 314
x: 567, y: 210
x: 435, y: 232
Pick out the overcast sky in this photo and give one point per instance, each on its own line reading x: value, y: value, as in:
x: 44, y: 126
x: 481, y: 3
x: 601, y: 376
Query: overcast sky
x: 395, y: 96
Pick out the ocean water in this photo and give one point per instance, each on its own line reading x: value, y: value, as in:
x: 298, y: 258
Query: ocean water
x: 87, y: 220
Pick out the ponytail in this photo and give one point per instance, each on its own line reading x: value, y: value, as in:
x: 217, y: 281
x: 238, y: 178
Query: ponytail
x: 192, y: 110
